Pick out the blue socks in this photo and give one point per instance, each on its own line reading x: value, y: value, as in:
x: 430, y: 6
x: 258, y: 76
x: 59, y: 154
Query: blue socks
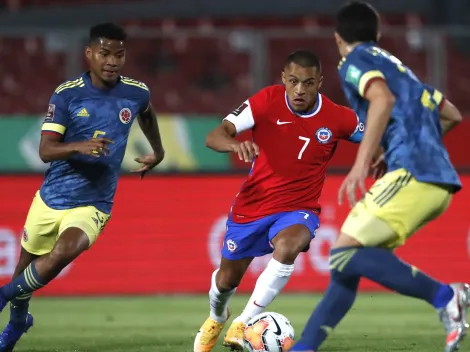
x: 384, y: 267
x: 336, y: 302
x: 348, y: 265
x: 23, y: 286
x: 19, y: 311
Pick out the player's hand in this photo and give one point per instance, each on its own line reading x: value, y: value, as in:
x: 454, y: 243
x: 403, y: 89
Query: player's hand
x: 148, y: 163
x: 95, y: 147
x: 355, y: 179
x: 246, y: 150
x: 379, y: 167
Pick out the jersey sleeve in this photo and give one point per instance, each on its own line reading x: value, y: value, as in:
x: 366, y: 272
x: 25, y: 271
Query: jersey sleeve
x: 144, y: 99
x: 247, y: 114
x: 242, y: 117
x: 437, y: 97
x: 57, y: 117
x: 353, y: 127
x: 359, y: 72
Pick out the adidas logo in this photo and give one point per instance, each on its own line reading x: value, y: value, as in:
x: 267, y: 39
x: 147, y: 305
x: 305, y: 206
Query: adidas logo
x: 83, y: 113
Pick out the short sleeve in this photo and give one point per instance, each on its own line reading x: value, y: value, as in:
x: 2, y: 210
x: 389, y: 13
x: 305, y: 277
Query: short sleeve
x: 144, y: 101
x: 57, y: 117
x: 247, y: 114
x: 434, y: 94
x: 359, y: 128
x: 242, y: 117
x: 359, y: 72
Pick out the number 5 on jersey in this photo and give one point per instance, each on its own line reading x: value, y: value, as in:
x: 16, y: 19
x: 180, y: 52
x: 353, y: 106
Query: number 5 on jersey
x: 96, y: 135
x: 306, y: 142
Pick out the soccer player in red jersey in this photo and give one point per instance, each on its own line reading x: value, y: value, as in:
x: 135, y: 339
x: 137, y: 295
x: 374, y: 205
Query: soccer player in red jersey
x: 295, y: 133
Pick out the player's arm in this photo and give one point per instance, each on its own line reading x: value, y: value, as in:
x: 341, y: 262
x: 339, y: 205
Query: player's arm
x: 52, y: 147
x: 149, y: 125
x: 222, y: 138
x: 381, y: 101
x: 449, y: 115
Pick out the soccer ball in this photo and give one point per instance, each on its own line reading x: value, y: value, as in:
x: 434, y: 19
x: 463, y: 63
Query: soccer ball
x: 269, y: 332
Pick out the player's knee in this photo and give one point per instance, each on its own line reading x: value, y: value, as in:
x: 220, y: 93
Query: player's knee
x: 287, y: 246
x: 70, y: 245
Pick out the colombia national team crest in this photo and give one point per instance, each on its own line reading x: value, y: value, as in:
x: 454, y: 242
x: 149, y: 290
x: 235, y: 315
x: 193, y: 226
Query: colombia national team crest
x: 125, y: 115
x: 323, y: 135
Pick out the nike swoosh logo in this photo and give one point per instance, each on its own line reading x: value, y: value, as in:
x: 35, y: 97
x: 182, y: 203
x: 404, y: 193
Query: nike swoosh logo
x: 278, y: 332
x: 256, y: 304
x: 283, y: 122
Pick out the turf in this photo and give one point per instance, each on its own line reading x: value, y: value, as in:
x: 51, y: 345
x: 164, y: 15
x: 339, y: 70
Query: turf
x: 379, y: 323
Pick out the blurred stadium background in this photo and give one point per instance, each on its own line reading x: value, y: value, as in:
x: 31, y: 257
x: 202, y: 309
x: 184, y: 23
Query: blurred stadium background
x: 201, y: 59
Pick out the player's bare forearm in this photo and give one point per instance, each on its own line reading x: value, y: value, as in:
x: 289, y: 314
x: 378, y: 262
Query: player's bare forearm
x: 149, y: 126
x: 449, y: 116
x: 221, y: 139
x: 52, y: 149
x: 381, y: 103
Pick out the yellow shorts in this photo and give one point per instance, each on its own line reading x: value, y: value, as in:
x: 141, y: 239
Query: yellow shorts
x: 44, y: 225
x: 394, y: 208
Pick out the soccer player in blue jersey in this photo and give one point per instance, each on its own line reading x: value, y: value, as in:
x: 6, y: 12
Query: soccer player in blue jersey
x: 407, y: 118
x: 84, y: 137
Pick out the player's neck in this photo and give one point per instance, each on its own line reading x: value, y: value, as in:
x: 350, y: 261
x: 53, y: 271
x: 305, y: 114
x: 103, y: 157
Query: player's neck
x: 348, y: 48
x: 99, y: 83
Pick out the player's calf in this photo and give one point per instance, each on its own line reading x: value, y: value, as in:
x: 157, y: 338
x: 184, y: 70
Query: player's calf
x: 288, y: 244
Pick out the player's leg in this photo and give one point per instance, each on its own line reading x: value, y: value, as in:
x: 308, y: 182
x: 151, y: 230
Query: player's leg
x: 77, y: 231
x: 290, y: 234
x: 19, y: 305
x: 38, y: 238
x: 241, y: 244
x: 395, y: 208
x: 20, y: 320
x: 224, y: 283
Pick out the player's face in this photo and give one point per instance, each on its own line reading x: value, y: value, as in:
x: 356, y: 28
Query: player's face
x: 302, y: 85
x: 106, y: 58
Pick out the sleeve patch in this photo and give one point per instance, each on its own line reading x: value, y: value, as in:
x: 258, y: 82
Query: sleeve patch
x: 353, y: 75
x: 50, y: 113
x: 239, y: 110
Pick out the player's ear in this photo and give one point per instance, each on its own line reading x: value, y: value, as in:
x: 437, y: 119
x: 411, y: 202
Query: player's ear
x: 320, y: 82
x: 283, y: 77
x: 338, y: 39
x: 88, y: 52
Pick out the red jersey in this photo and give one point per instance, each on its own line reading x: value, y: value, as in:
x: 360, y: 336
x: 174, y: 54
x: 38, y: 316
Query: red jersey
x: 289, y: 173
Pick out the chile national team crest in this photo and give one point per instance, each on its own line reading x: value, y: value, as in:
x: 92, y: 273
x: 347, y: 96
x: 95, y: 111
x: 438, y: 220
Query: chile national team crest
x: 323, y: 135
x: 125, y: 115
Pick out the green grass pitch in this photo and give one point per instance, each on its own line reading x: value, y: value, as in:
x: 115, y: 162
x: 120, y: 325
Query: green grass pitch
x: 377, y: 323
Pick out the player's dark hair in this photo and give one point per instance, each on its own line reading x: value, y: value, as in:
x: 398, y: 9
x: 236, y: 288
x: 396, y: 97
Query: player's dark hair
x: 107, y: 30
x: 357, y: 21
x: 304, y: 58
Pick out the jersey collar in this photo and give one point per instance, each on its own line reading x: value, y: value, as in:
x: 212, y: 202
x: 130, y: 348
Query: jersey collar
x: 307, y: 115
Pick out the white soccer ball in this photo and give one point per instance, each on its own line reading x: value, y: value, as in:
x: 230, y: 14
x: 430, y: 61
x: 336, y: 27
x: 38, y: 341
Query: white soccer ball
x: 269, y: 332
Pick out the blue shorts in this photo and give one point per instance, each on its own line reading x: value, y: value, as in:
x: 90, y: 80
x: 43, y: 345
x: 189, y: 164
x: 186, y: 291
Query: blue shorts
x: 253, y: 239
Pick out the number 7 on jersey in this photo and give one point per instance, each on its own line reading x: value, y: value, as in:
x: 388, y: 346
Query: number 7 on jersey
x: 306, y: 142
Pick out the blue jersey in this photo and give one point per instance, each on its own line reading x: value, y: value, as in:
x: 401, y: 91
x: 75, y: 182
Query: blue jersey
x: 78, y: 111
x: 413, y: 137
